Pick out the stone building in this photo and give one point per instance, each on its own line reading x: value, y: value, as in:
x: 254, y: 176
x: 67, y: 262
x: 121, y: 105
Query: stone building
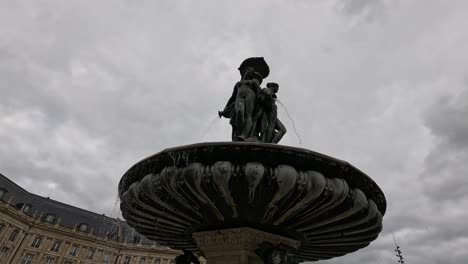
x: 35, y: 229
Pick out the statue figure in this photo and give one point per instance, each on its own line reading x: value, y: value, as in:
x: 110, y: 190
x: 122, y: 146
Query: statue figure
x: 252, y: 110
x: 246, y: 98
x: 279, y: 254
x: 271, y: 129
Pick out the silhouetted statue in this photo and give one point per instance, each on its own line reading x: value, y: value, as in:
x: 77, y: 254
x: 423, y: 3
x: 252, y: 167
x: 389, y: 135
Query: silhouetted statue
x: 252, y: 110
x: 270, y: 128
x: 246, y: 98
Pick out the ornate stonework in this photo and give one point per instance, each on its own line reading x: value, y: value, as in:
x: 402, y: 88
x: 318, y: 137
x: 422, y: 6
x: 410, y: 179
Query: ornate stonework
x: 319, y: 206
x: 239, y: 238
x: 237, y: 245
x: 329, y: 206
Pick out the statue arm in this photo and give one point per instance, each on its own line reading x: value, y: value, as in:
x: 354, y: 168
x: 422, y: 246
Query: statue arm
x: 233, y: 96
x: 281, y: 130
x: 226, y: 112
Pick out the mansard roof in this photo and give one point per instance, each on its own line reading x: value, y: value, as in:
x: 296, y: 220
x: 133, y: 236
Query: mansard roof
x: 67, y: 215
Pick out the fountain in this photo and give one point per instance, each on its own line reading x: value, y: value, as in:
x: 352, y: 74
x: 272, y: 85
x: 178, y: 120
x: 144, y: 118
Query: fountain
x: 252, y: 200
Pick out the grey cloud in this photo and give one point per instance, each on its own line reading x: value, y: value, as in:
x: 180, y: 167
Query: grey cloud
x: 446, y: 165
x: 447, y: 120
x: 88, y: 90
x: 369, y: 9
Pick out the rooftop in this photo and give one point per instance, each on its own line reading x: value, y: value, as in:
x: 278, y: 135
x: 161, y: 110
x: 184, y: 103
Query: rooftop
x: 66, y: 215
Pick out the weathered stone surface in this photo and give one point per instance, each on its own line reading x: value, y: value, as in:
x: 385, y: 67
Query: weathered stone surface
x: 238, y: 245
x: 327, y: 205
x: 243, y: 237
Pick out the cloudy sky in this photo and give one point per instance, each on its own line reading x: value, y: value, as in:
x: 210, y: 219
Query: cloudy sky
x: 88, y: 88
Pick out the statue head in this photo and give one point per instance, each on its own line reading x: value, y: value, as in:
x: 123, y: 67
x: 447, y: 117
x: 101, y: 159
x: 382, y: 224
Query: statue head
x: 257, y: 77
x: 273, y: 86
x: 276, y: 257
x: 247, y: 72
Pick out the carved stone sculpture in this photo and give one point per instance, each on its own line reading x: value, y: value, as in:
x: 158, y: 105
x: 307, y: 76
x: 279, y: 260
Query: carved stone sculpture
x: 328, y: 205
x: 248, y: 201
x: 252, y: 110
x: 276, y: 254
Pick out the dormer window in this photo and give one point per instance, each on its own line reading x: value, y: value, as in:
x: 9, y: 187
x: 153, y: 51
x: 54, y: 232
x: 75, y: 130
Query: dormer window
x: 2, y: 192
x: 49, y: 218
x: 136, y: 239
x: 83, y: 227
x: 26, y: 208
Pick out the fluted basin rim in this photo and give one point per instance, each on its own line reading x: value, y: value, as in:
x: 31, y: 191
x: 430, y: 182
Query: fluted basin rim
x: 172, y: 155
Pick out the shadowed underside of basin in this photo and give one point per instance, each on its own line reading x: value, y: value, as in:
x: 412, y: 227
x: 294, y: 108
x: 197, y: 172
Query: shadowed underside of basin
x: 328, y: 205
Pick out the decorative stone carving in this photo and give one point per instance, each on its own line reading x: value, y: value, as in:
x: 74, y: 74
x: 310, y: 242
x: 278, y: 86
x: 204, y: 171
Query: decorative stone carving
x: 286, y: 178
x: 237, y: 245
x: 240, y: 238
x: 253, y: 173
x: 318, y: 206
x: 327, y: 205
x: 276, y: 254
x: 221, y: 173
x: 251, y: 109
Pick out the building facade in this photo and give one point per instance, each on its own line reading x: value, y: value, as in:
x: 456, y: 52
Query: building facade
x: 35, y: 229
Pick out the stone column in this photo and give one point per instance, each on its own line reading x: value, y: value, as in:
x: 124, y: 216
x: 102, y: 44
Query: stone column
x: 237, y: 245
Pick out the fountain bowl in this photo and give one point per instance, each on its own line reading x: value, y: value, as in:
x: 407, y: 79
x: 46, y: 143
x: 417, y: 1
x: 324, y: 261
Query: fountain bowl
x: 326, y: 204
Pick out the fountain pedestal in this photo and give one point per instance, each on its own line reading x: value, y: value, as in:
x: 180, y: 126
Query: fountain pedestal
x: 237, y: 245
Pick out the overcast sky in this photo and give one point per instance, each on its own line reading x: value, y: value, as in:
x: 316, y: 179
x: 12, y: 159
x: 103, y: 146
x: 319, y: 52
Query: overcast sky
x: 88, y: 88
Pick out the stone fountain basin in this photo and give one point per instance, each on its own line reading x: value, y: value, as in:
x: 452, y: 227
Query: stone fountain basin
x: 328, y: 205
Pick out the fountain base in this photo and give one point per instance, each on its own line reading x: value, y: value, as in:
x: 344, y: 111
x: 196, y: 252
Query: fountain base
x: 177, y: 195
x: 238, y: 245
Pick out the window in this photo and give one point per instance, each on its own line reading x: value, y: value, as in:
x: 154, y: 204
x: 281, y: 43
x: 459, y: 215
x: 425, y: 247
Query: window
x: 49, y: 260
x: 142, y: 260
x: 106, y: 258
x: 36, y: 242
x: 136, y: 239
x: 4, y: 253
x: 127, y: 260
x: 73, y: 250
x: 27, y: 259
x: 56, y: 246
x: 91, y: 253
x: 2, y: 192
x: 69, y: 262
x: 83, y: 227
x: 157, y: 261
x: 2, y: 226
x: 49, y: 218
x: 26, y: 208
x: 14, y: 235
